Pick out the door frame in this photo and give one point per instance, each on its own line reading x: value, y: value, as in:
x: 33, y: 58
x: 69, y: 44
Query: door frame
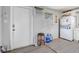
x: 0, y: 25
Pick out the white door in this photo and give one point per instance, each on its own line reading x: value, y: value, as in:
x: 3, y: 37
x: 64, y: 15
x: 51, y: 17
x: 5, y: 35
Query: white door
x: 21, y: 18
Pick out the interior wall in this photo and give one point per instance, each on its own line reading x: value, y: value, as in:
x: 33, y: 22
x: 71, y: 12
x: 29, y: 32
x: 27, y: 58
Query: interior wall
x: 5, y: 27
x: 53, y: 28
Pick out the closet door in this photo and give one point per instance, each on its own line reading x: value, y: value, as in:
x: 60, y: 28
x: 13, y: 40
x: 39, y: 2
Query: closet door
x: 21, y: 27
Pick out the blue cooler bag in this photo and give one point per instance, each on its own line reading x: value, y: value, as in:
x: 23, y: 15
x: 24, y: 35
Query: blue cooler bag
x: 48, y: 38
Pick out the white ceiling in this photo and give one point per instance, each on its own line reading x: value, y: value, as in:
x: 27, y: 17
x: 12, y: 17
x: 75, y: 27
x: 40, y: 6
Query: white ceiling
x: 62, y: 8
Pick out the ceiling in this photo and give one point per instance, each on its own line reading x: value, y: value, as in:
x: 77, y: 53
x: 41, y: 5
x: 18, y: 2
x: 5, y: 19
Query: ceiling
x: 62, y: 8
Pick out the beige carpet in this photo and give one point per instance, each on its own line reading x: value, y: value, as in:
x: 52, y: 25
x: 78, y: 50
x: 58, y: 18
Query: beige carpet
x: 24, y: 49
x: 57, y: 45
x: 63, y: 46
x: 32, y: 49
x: 43, y: 49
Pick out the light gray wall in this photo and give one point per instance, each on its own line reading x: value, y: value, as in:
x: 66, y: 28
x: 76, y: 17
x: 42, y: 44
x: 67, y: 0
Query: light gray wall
x: 38, y: 25
x: 5, y: 21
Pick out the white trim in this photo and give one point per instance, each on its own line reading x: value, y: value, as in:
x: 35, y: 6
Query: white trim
x: 0, y: 26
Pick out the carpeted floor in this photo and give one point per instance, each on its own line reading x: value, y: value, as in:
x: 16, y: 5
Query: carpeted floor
x: 57, y: 46
x: 32, y: 49
x: 63, y: 46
